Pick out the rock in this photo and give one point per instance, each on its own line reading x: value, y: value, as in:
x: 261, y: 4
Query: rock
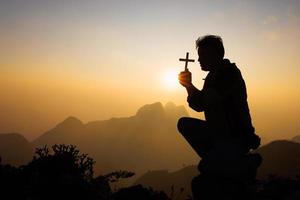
x: 227, y: 171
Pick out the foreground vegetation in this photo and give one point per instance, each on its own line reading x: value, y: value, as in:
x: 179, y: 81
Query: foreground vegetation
x: 62, y: 172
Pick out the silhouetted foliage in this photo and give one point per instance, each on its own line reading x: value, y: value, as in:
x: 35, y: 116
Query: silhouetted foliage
x: 138, y: 192
x: 278, y: 188
x: 9, y: 181
x: 62, y: 172
x: 117, y: 175
x: 273, y: 188
x: 67, y: 157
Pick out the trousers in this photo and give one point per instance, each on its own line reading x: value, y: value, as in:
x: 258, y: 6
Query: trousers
x: 197, y: 133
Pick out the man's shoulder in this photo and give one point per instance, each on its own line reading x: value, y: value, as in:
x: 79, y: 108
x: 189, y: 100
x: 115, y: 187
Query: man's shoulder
x: 230, y: 70
x: 229, y: 67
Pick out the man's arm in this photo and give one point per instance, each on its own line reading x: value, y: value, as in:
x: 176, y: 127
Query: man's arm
x: 191, y: 89
x: 195, y: 99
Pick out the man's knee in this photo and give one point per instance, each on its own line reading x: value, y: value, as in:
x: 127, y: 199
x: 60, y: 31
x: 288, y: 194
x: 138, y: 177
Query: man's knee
x: 181, y: 124
x: 188, y: 124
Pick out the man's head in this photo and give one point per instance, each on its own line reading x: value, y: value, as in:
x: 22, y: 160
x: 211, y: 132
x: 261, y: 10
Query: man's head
x: 210, y: 51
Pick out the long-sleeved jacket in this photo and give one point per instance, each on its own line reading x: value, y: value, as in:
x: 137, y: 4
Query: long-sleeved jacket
x: 225, y: 87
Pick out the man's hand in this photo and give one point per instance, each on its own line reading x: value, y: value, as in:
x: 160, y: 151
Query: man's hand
x: 185, y: 79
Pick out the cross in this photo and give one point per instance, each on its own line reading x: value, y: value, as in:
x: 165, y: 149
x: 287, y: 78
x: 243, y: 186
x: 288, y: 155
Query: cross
x: 186, y: 59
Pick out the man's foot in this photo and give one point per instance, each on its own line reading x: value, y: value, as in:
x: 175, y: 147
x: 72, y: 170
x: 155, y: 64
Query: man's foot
x: 242, y: 168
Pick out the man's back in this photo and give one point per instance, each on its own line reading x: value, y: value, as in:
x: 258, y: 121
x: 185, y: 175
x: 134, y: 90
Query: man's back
x: 229, y: 83
x: 226, y: 87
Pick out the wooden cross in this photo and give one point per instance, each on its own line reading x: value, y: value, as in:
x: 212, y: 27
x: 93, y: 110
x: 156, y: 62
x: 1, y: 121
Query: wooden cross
x: 186, y: 59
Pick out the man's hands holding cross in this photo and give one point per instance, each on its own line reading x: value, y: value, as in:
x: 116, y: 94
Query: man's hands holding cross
x: 185, y: 77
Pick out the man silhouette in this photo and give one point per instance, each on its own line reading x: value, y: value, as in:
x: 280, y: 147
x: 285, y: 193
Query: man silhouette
x: 223, y: 100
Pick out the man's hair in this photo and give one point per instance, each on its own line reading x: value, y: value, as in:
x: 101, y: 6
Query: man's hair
x: 213, y: 42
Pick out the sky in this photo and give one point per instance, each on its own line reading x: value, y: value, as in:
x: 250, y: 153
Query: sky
x: 101, y: 59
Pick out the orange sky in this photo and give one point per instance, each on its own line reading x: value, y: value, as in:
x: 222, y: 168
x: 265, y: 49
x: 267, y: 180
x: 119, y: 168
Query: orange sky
x: 96, y: 60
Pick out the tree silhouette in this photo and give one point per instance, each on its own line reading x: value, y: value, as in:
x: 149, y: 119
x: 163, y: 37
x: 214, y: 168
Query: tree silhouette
x: 59, y: 172
x: 62, y: 172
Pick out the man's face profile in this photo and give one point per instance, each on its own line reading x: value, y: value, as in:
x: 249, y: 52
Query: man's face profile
x: 207, y: 58
x: 204, y: 58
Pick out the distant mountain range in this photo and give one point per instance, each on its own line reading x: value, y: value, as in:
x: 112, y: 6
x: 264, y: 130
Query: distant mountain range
x: 149, y: 140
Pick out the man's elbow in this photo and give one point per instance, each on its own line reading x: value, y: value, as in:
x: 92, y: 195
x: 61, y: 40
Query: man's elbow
x: 196, y: 108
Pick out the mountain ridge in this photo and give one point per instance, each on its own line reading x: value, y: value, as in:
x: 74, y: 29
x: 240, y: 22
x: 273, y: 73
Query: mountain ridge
x: 149, y: 135
x: 140, y: 143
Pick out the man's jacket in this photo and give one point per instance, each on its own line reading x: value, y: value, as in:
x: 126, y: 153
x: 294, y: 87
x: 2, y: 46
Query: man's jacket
x: 225, y: 87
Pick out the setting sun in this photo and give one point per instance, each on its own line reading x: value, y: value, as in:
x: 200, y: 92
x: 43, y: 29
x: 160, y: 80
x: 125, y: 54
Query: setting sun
x: 170, y: 79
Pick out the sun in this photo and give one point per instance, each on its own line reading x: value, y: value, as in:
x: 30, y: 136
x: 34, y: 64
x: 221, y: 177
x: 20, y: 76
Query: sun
x: 170, y: 79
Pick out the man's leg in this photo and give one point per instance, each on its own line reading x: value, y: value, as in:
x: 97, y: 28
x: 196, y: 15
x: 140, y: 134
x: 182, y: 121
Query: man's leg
x: 196, y: 132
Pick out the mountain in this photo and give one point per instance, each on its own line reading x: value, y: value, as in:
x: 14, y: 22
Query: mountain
x: 175, y: 111
x: 147, y: 140
x: 150, y: 111
x: 281, y: 158
x: 67, y: 131
x: 165, y: 180
x: 15, y: 149
x: 296, y: 139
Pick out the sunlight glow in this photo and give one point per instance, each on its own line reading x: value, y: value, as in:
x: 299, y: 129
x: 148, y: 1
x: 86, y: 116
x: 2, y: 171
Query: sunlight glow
x: 170, y: 79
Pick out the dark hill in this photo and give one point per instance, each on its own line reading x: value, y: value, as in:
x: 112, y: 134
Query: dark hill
x: 163, y: 180
x: 280, y: 157
x: 296, y: 139
x: 15, y: 149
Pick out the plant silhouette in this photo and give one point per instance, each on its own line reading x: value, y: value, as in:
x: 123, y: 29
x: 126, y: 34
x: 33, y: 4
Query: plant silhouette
x: 62, y: 172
